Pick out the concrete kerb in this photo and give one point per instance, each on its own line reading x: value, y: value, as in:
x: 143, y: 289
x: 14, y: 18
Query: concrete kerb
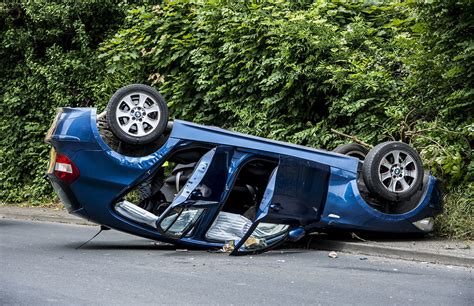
x: 373, y: 248
x: 40, y: 214
x: 364, y: 248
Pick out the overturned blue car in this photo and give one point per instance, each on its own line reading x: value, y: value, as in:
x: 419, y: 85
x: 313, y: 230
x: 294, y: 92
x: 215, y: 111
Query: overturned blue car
x: 133, y: 170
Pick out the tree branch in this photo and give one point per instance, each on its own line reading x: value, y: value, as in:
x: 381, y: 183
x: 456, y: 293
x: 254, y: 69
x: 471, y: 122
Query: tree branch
x: 355, y: 139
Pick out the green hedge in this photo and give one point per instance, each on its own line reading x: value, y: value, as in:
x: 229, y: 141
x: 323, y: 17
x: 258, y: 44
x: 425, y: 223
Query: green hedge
x: 280, y: 70
x: 48, y: 59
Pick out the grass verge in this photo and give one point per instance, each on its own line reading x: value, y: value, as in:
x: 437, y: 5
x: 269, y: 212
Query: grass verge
x: 457, y: 220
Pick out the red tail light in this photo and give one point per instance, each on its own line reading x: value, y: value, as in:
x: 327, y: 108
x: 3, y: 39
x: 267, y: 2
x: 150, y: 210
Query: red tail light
x: 64, y: 169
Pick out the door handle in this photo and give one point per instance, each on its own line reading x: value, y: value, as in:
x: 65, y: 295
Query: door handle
x: 275, y: 206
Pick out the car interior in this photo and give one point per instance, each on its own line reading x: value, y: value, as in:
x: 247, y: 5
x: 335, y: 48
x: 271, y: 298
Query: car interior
x: 246, y: 193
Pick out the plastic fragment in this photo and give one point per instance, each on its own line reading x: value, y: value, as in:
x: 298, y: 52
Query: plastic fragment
x: 254, y: 243
x: 332, y: 254
x: 228, y: 246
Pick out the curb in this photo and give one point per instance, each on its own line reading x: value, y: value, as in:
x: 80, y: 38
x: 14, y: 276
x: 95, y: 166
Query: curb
x: 363, y: 248
x: 316, y: 243
x: 51, y: 217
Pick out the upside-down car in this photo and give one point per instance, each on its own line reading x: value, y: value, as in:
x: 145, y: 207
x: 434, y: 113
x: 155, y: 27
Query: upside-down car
x: 132, y: 170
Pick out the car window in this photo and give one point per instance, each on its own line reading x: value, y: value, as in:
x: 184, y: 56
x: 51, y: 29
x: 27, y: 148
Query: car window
x: 179, y: 221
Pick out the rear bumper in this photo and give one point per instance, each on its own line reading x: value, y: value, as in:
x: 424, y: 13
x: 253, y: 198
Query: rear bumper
x: 67, y: 197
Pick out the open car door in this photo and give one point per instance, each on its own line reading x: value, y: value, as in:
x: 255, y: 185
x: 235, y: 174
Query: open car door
x: 199, y: 197
x: 294, y: 197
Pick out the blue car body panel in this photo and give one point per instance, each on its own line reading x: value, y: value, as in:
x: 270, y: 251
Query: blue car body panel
x: 331, y: 198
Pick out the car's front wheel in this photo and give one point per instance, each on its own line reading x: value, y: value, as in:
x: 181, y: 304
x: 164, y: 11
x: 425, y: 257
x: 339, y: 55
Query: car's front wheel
x: 393, y: 171
x: 137, y: 114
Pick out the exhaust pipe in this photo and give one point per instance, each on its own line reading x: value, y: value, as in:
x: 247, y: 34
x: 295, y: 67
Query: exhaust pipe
x: 135, y: 213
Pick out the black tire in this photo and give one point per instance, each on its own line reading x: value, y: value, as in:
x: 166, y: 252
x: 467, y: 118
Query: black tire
x: 142, y: 104
x: 352, y: 149
x: 391, y: 179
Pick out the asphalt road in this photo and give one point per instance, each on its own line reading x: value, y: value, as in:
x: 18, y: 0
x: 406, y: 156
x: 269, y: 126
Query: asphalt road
x: 40, y: 265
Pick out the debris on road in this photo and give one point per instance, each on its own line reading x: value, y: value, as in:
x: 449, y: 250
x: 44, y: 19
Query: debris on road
x: 228, y: 246
x: 332, y: 254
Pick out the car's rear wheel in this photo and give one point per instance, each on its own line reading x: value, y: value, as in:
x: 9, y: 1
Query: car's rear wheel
x: 393, y: 171
x: 137, y: 114
x: 352, y: 149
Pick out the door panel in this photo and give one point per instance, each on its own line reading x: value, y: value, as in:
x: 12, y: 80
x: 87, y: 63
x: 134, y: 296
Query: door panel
x: 295, y: 196
x: 207, y: 182
x: 295, y: 193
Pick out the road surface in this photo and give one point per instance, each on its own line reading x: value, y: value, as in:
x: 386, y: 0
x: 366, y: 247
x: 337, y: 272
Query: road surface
x: 41, y: 265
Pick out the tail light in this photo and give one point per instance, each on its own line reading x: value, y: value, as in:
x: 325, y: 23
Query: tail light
x: 64, y: 169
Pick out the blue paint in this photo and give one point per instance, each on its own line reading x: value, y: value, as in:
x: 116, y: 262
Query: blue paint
x: 296, y: 234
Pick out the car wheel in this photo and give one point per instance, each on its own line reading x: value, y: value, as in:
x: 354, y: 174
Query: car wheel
x: 137, y: 114
x: 352, y: 149
x: 393, y: 171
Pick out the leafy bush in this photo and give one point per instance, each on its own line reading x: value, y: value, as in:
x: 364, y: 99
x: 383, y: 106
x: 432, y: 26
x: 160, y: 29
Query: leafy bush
x: 281, y: 70
x: 293, y: 74
x: 48, y: 59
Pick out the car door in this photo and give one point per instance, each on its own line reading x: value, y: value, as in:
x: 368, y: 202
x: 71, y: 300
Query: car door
x: 200, y: 195
x: 294, y: 197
